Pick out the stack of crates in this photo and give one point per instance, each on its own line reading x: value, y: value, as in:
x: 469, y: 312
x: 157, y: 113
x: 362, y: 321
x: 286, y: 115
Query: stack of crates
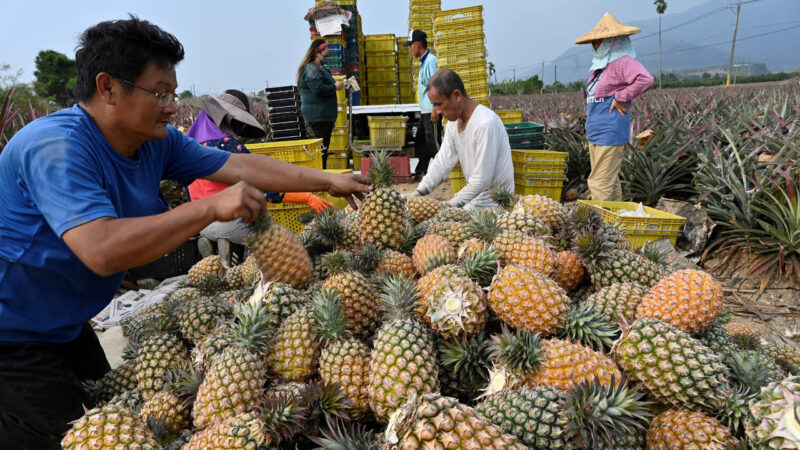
x: 285, y: 120
x: 345, y: 51
x: 339, y: 149
x: 405, y: 78
x: 509, y: 115
x: 460, y: 46
x: 381, y: 75
x: 525, y: 135
x: 420, y: 17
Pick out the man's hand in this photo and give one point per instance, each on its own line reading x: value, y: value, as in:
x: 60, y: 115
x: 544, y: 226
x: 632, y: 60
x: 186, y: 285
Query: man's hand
x: 621, y: 107
x: 339, y: 85
x: 413, y: 194
x: 350, y: 186
x: 240, y: 201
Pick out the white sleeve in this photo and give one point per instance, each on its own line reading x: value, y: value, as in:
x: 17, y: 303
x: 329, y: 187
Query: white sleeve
x: 440, y: 166
x: 484, y: 154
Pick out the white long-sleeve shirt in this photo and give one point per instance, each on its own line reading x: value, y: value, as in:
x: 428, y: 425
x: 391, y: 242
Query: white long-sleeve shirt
x: 484, y: 153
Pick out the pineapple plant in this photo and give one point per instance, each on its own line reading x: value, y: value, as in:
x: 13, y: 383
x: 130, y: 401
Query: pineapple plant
x: 244, y: 275
x: 519, y: 249
x: 294, y: 350
x: 403, y: 358
x: 687, y: 299
x: 235, y: 376
x: 774, y: 416
x: 396, y: 263
x: 111, y: 426
x: 676, y: 368
x: 608, y: 264
x: 343, y: 359
x: 549, y: 211
x: 683, y: 428
x: 359, y: 301
x: 568, y: 271
x: 279, y: 253
x: 617, y: 300
x: 424, y: 208
x: 431, y: 252
x: 383, y: 211
x: 205, y: 269
x: 457, y: 308
x: 434, y: 421
x: 527, y: 300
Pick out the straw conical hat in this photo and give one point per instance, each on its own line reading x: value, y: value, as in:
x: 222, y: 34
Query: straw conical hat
x: 608, y: 27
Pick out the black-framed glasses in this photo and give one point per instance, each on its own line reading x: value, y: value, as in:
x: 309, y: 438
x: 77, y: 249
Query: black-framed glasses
x: 163, y: 99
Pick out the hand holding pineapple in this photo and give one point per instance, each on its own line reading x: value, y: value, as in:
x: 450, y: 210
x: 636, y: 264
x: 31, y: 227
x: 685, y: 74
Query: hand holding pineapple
x: 349, y: 186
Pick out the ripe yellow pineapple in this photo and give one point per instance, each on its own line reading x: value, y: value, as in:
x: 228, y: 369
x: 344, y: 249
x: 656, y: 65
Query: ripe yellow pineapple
x: 396, y: 263
x: 244, y: 275
x: 470, y: 247
x: 455, y: 232
x: 204, y: 269
x: 294, y: 351
x: 424, y: 208
x: 683, y: 428
x: 528, y: 300
x: 383, y: 212
x: 568, y: 271
x: 566, y: 364
x: 167, y: 408
x: 431, y: 252
x: 112, y: 426
x: 522, y: 222
x: 429, y: 281
x: 279, y: 253
x: 360, y: 303
x: 687, y: 299
x: 520, y: 249
x: 546, y: 209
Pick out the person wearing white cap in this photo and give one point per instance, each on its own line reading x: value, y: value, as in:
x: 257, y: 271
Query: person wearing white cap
x: 616, y: 79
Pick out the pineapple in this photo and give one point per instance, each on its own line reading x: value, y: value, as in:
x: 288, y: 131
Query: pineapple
x: 717, y: 339
x: 609, y: 265
x: 295, y: 348
x: 343, y: 360
x: 744, y: 336
x: 457, y: 308
x: 281, y: 301
x: 687, y: 299
x: 516, y: 248
x: 455, y: 232
x: 536, y: 416
x: 568, y: 271
x: 431, y: 252
x: 278, y: 253
x: 464, y: 366
x: 565, y: 364
x: 433, y: 421
x: 451, y: 214
x: 111, y: 426
x: 351, y: 238
x: 676, y: 368
x: 197, y: 319
x: 383, y: 212
x: 774, y: 421
x: 545, y: 209
x: 429, y: 281
x: 157, y: 354
x: 166, y: 408
x: 590, y: 328
x: 528, y: 300
x: 359, y: 302
x: 244, y: 275
x: 403, y: 358
x: 617, y: 300
x: 787, y: 356
x: 235, y: 377
x: 206, y: 268
x: 470, y: 247
x: 396, y: 263
x: 682, y: 428
x: 523, y: 223
x: 424, y: 208
x: 115, y: 382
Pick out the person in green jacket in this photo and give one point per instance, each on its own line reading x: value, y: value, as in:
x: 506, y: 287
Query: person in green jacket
x: 318, y: 94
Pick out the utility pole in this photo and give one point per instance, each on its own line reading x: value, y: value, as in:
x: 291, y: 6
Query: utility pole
x: 541, y: 91
x: 555, y: 78
x: 515, y: 74
x: 660, y: 65
x: 733, y: 44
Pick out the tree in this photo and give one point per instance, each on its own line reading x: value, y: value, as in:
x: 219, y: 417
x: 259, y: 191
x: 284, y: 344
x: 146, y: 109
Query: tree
x: 55, y: 76
x: 661, y: 8
x: 186, y: 94
x: 492, y: 72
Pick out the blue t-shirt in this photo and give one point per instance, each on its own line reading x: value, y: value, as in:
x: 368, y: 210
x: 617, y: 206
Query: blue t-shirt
x: 57, y: 173
x: 604, y: 127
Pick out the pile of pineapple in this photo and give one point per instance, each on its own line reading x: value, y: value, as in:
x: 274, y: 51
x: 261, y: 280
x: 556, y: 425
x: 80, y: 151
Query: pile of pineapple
x: 416, y: 325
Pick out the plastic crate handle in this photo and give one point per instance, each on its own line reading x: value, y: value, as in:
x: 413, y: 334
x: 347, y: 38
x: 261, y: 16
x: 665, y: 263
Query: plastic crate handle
x: 305, y: 147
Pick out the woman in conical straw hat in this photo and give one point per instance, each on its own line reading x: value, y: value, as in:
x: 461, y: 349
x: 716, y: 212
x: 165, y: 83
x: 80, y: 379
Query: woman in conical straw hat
x: 616, y: 79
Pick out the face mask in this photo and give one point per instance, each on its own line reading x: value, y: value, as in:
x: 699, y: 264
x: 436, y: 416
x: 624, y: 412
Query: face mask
x: 324, y: 60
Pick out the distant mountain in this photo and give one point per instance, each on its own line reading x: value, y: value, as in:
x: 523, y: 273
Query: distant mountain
x: 689, y: 44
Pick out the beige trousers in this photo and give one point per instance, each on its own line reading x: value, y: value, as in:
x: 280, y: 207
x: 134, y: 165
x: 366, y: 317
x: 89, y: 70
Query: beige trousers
x: 604, y: 182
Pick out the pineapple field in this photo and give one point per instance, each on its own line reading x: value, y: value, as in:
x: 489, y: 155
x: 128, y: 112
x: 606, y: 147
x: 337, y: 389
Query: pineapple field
x: 415, y: 325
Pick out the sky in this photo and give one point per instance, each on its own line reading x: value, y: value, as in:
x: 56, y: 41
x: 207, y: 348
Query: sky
x: 249, y: 45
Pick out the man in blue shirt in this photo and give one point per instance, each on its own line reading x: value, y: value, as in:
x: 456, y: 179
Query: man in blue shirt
x: 81, y: 204
x: 430, y: 125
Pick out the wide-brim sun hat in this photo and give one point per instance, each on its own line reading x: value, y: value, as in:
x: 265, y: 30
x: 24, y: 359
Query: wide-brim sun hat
x: 607, y: 27
x: 226, y: 104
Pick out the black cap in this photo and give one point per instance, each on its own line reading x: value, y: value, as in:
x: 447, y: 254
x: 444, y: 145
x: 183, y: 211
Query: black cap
x: 416, y: 36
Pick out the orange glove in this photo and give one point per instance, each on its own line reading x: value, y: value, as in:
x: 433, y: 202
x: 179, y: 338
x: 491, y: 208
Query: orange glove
x: 318, y: 204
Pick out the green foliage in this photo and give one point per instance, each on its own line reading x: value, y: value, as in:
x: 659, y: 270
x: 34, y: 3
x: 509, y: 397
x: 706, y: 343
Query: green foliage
x: 532, y: 85
x: 186, y: 94
x: 55, y: 76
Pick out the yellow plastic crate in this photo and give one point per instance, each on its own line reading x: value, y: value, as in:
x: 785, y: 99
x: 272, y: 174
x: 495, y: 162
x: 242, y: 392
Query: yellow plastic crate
x: 379, y: 42
x: 340, y: 138
x: 337, y: 160
x: 544, y: 184
x: 387, y: 131
x: 341, y: 94
x: 382, y: 88
x: 463, y: 27
x: 381, y: 59
x: 450, y: 15
x: 288, y: 215
x: 510, y: 116
x: 462, y: 55
x: 640, y: 230
x: 477, y: 90
x: 526, y: 161
x: 457, y: 179
x: 381, y: 75
x: 341, y: 116
x: 305, y: 152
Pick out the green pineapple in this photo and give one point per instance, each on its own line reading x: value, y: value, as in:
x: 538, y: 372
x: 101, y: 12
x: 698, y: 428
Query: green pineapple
x: 199, y: 317
x: 464, y: 366
x: 383, y: 212
x: 157, y: 354
x: 295, y: 349
x: 111, y: 426
x: 612, y: 265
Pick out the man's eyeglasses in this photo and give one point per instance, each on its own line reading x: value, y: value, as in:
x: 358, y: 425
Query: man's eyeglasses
x: 163, y: 99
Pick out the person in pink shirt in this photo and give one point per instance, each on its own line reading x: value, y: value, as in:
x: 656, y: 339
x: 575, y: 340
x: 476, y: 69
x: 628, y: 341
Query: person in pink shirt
x: 616, y: 79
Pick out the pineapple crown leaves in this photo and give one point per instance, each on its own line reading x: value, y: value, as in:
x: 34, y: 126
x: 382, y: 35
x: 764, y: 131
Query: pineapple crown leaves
x: 653, y: 254
x: 734, y: 410
x: 260, y: 224
x: 752, y: 370
x: 161, y: 431
x: 590, y: 247
x: 597, y: 412
x: 468, y: 355
x: 368, y: 258
x: 413, y: 234
x: 329, y: 315
x: 131, y: 351
x: 325, y: 401
x: 724, y: 317
x: 160, y: 323
x: 212, y: 285
x: 282, y: 416
x: 307, y: 217
x: 519, y: 351
x: 329, y: 227
x: 483, y: 224
x: 131, y: 399
x: 481, y: 266
x: 399, y: 297
x: 585, y: 218
x: 339, y: 436
x: 184, y: 381
x: 503, y: 197
x: 252, y: 326
x: 339, y: 261
x: 380, y: 173
x: 591, y: 328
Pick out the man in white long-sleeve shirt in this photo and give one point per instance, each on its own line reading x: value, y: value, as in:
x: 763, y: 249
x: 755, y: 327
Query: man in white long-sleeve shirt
x: 474, y: 137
